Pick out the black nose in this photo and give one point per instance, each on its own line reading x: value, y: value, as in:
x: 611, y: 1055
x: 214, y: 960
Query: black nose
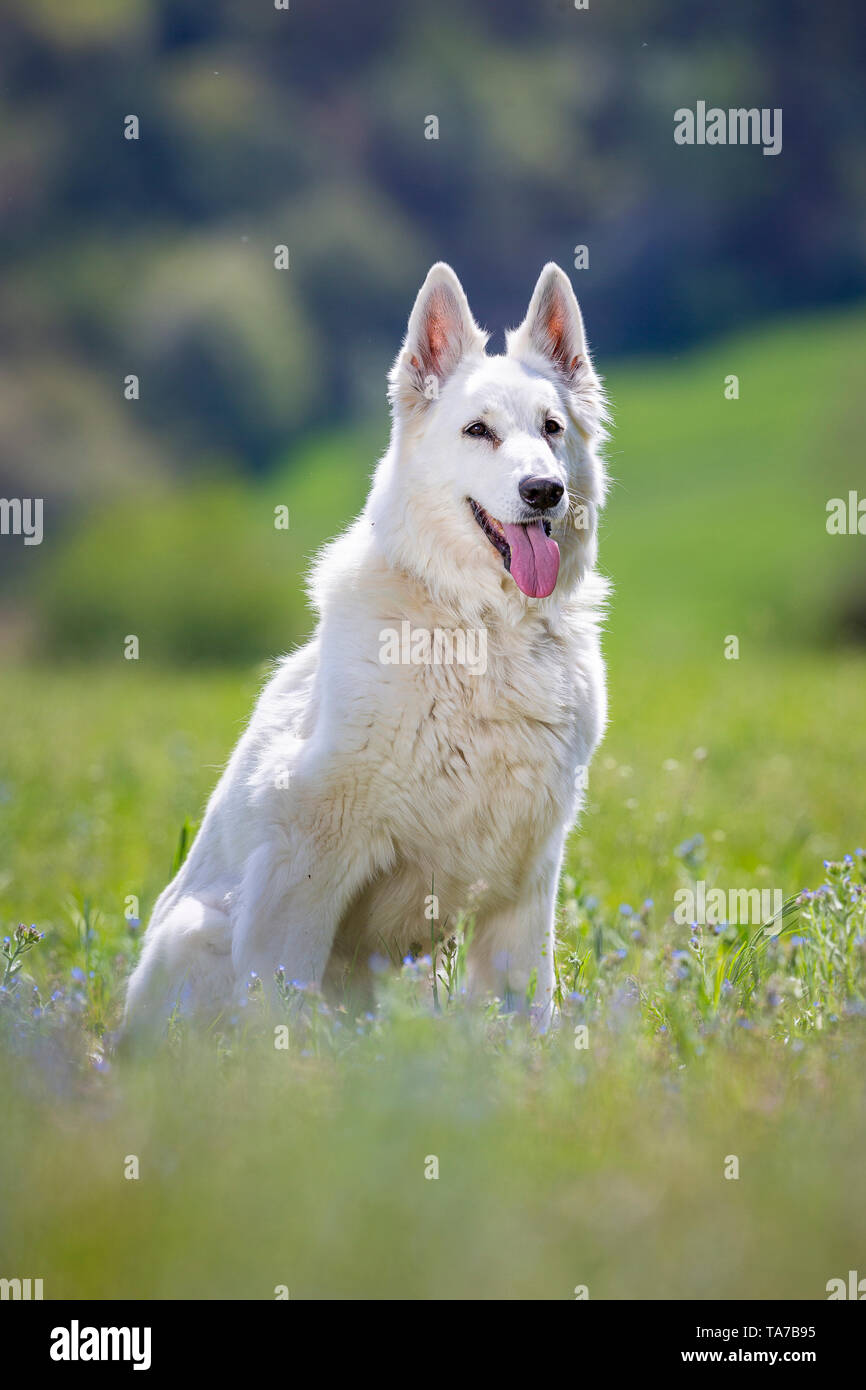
x: 541, y: 493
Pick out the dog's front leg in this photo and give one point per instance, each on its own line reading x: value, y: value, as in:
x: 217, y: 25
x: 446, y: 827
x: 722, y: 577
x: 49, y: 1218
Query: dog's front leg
x: 512, y: 952
x: 296, y: 886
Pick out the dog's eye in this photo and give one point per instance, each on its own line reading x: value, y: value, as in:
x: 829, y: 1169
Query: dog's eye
x: 478, y: 430
x: 552, y: 427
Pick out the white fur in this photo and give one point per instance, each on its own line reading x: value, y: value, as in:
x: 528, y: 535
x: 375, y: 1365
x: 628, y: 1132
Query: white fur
x: 358, y: 784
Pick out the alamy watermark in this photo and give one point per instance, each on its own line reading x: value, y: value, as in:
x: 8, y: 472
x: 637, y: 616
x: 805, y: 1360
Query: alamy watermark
x: 735, y: 126
x: 846, y: 516
x: 21, y: 1289
x: 22, y: 516
x: 854, y: 1287
x: 422, y: 646
x: 77, y: 1343
x: 713, y: 907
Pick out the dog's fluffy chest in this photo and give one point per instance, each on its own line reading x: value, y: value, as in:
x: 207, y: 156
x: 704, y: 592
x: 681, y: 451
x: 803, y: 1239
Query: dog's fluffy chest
x: 476, y: 771
x: 474, y: 760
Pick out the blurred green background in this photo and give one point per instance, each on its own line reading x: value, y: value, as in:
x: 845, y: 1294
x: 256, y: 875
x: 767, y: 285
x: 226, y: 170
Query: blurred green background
x: 306, y: 128
x: 261, y: 388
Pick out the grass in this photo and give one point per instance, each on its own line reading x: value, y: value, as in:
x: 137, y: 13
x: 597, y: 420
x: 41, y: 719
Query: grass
x: 305, y: 1167
x: 560, y: 1165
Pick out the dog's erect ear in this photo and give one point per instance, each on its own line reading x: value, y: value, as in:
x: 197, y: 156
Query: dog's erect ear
x: 441, y: 333
x: 553, y: 327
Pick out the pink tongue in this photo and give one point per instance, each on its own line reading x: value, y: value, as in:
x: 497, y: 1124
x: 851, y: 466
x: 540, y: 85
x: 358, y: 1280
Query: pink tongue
x: 534, y: 559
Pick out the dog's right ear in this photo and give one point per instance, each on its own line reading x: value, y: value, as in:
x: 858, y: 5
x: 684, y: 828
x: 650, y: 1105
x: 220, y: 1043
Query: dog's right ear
x: 441, y: 333
x: 553, y: 327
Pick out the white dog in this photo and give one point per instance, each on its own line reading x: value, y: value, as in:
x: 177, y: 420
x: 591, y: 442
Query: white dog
x: 382, y: 786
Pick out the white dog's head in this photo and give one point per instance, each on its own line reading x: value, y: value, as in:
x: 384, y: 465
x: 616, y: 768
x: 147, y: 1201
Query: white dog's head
x: 492, y: 483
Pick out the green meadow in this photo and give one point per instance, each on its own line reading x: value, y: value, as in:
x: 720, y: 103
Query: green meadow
x: 602, y: 1156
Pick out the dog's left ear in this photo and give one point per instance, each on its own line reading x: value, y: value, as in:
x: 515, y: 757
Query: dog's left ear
x: 441, y: 333
x: 553, y: 327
